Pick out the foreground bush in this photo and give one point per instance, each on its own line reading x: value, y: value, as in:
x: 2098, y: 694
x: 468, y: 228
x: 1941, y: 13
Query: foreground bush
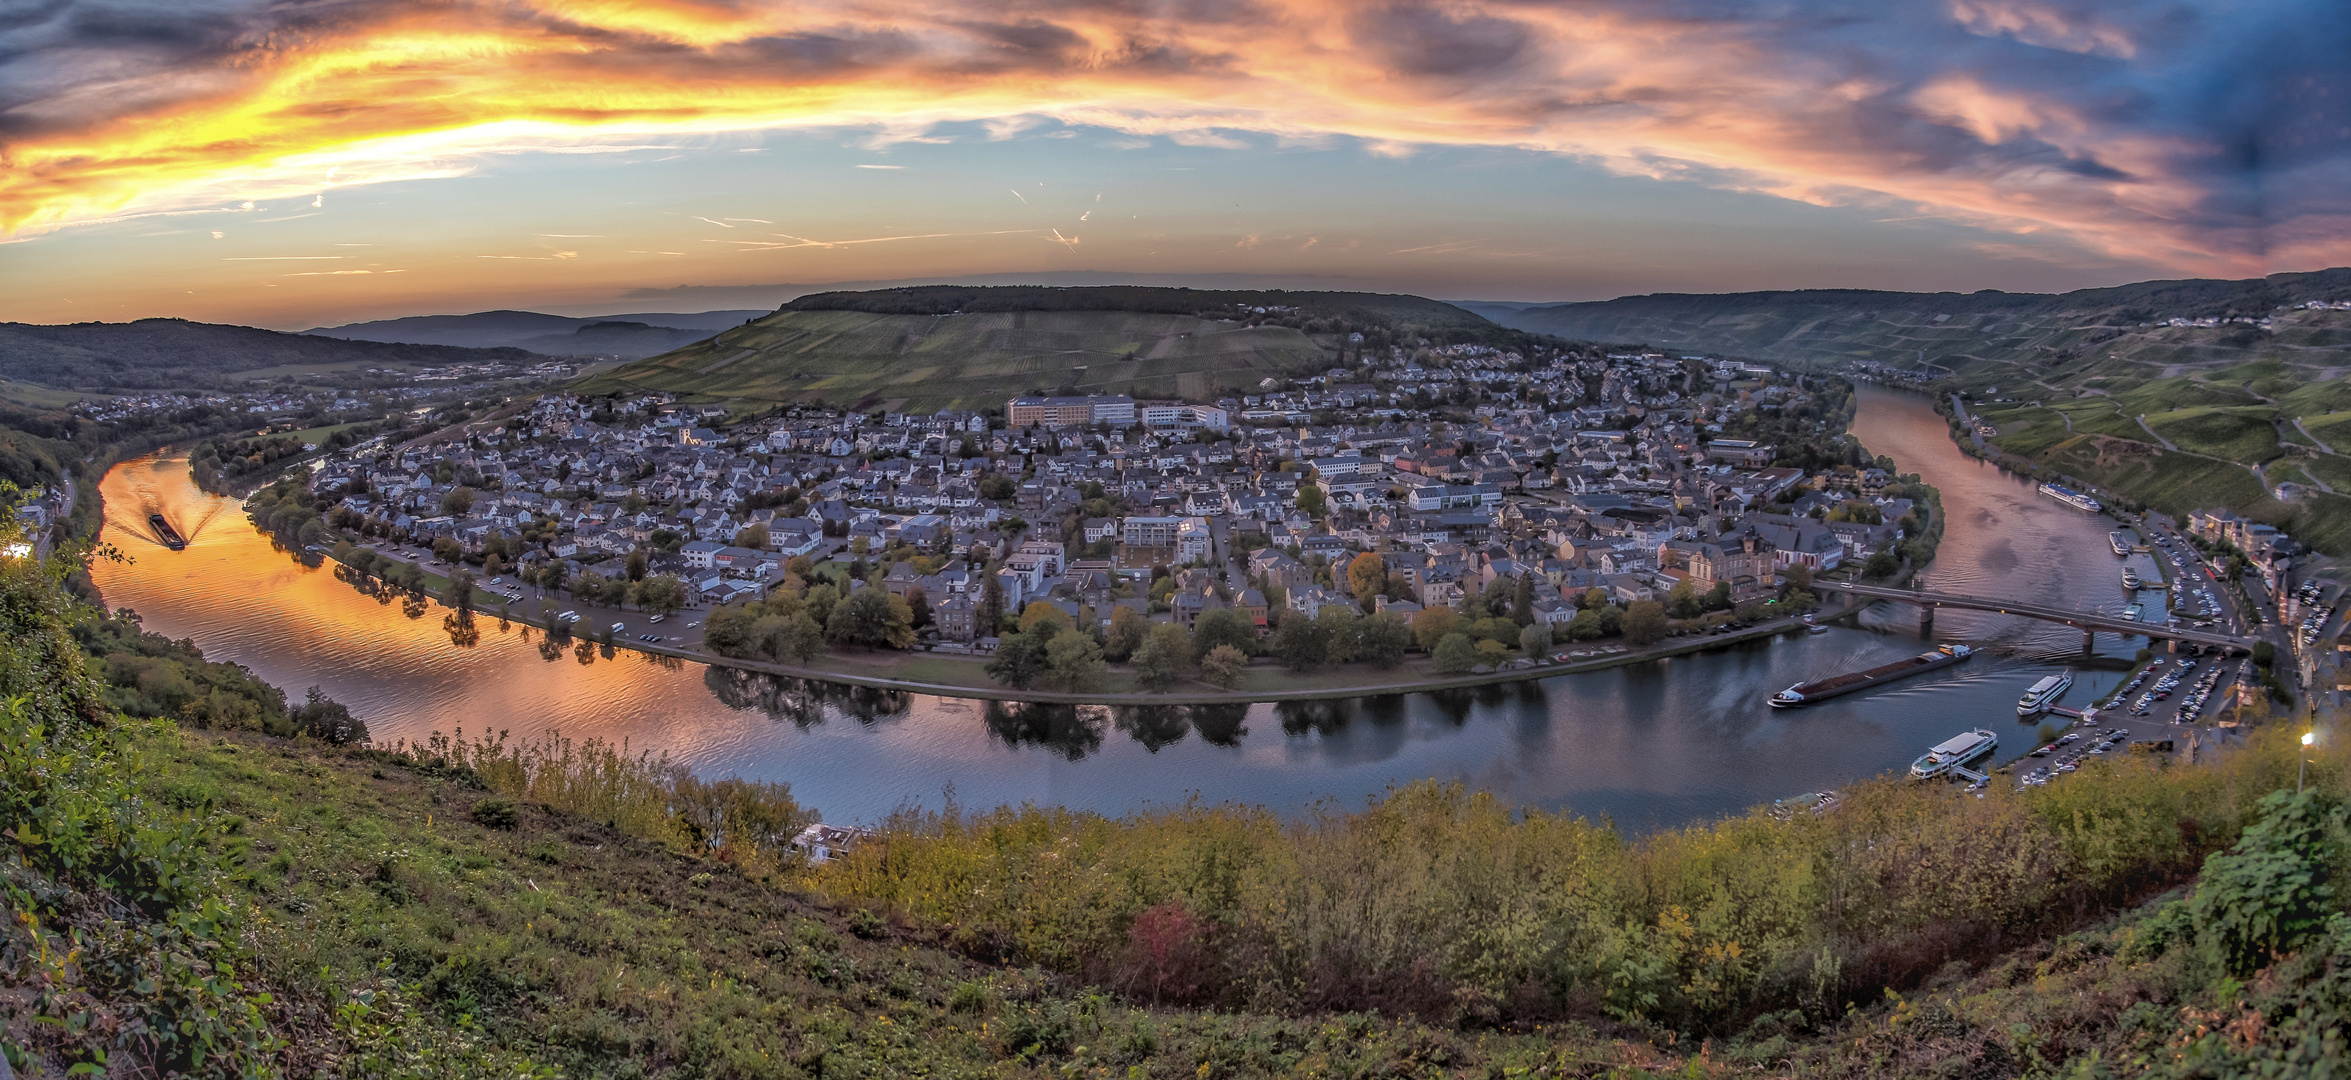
x: 1447, y: 903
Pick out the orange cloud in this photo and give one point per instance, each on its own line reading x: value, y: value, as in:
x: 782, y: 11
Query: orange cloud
x: 2059, y: 129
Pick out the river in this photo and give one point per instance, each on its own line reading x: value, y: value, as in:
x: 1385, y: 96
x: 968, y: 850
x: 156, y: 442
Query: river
x: 1648, y: 745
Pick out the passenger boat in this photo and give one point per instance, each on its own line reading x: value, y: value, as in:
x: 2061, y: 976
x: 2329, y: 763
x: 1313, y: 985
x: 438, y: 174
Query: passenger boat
x: 2071, y: 498
x: 2131, y: 579
x: 2135, y: 612
x: 2122, y: 547
x: 1806, y: 693
x: 164, y: 532
x: 1955, y: 752
x: 2043, y: 694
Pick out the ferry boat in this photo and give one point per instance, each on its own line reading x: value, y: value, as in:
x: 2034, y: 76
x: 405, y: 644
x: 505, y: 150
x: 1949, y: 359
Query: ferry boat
x: 1806, y: 693
x: 2122, y: 546
x: 2135, y: 612
x: 2131, y: 579
x: 2071, y: 498
x: 1955, y: 752
x: 2038, y: 699
x: 164, y: 532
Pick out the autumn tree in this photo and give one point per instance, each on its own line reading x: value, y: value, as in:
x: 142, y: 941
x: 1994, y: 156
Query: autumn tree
x: 1367, y: 576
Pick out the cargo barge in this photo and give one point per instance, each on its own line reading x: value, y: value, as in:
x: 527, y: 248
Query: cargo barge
x: 1806, y: 693
x: 163, y: 531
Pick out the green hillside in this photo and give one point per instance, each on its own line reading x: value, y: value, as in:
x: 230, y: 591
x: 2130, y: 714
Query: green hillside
x: 2067, y: 378
x: 175, y: 354
x: 955, y: 346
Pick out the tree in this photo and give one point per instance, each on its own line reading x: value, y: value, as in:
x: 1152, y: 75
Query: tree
x: 754, y: 537
x: 1522, y: 601
x: 1644, y: 623
x: 1223, y: 627
x: 991, y: 613
x: 1342, y: 630
x: 1491, y: 653
x: 638, y: 565
x: 461, y: 590
x: 1593, y: 598
x: 327, y: 720
x: 1128, y: 630
x: 1718, y: 598
x: 1431, y: 625
x: 1367, y: 577
x: 1881, y: 564
x: 801, y: 639
x: 1045, y: 616
x: 662, y: 594
x: 800, y: 565
x: 1535, y: 639
x: 551, y: 577
x: 871, y: 617
x: 1382, y: 639
x: 1162, y: 657
x: 1683, y: 600
x: 493, y: 566
x: 1301, y: 643
x: 1453, y: 655
x: 1312, y: 501
x: 1073, y: 662
x: 1797, y: 579
x: 918, y: 604
x: 458, y: 501
x: 1019, y: 660
x: 1224, y: 666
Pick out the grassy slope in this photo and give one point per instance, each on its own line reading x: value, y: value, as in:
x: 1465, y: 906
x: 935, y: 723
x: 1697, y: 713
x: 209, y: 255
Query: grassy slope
x: 927, y: 362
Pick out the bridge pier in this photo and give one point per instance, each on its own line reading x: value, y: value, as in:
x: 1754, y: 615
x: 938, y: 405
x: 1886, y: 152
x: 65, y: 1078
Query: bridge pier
x: 2089, y: 639
x: 1926, y: 620
x: 2171, y: 645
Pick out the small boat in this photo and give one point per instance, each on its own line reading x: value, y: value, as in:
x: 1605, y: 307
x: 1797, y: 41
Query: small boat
x: 2122, y: 547
x: 1954, y: 752
x: 1815, y: 628
x: 2134, y: 612
x: 2043, y: 694
x: 2071, y: 498
x: 164, y: 532
x: 1805, y: 693
x: 2131, y: 579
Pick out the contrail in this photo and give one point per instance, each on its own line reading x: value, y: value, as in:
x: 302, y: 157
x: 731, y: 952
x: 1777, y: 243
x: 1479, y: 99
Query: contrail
x: 1024, y: 200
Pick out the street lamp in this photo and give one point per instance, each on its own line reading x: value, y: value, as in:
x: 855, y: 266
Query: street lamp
x: 2302, y: 764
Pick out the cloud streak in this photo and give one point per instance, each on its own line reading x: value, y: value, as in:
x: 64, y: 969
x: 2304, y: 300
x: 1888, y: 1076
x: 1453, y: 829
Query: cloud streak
x: 2194, y: 134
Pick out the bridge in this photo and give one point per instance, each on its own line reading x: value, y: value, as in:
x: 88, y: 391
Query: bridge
x: 2090, y: 622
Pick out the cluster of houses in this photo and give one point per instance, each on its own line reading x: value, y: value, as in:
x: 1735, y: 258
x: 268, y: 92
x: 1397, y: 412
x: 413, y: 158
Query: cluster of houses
x: 1585, y: 473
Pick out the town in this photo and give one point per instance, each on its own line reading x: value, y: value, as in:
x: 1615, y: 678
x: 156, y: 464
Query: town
x: 1558, y: 492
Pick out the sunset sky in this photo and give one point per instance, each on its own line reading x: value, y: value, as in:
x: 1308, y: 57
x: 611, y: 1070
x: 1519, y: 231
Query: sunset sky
x: 298, y: 162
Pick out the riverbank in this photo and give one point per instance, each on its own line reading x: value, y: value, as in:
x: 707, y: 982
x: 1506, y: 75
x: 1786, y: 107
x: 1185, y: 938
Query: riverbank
x: 949, y: 675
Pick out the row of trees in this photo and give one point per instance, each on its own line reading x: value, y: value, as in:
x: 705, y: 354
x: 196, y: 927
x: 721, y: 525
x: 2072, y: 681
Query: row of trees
x: 798, y: 621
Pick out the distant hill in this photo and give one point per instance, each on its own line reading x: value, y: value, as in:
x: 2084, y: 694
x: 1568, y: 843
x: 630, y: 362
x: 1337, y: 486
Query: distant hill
x: 631, y: 336
x: 933, y: 347
x: 175, y: 354
x: 1952, y: 329
x: 2120, y: 387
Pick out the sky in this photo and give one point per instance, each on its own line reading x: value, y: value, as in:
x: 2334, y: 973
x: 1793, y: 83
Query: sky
x: 295, y: 163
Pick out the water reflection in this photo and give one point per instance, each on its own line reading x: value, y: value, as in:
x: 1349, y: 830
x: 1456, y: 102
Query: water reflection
x: 803, y: 702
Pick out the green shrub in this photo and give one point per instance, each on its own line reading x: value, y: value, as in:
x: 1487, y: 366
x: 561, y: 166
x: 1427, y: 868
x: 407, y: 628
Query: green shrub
x: 497, y: 813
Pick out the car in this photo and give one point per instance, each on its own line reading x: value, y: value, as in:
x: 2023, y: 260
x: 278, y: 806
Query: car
x: 657, y: 618
x: 2045, y: 751
x: 2068, y: 737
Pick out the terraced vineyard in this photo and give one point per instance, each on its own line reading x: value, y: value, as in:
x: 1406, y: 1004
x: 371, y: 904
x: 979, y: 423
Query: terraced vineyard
x: 927, y: 362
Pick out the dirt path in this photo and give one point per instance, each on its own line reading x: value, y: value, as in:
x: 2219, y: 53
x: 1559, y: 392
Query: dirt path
x: 2323, y: 447
x: 2159, y: 438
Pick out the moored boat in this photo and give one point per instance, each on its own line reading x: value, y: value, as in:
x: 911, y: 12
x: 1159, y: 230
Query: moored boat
x: 2122, y: 547
x: 1806, y: 693
x: 2071, y: 498
x: 2043, y: 694
x: 2131, y: 578
x: 1954, y: 752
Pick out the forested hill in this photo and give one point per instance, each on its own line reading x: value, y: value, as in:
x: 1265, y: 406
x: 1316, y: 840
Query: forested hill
x: 175, y: 354
x: 1946, y: 328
